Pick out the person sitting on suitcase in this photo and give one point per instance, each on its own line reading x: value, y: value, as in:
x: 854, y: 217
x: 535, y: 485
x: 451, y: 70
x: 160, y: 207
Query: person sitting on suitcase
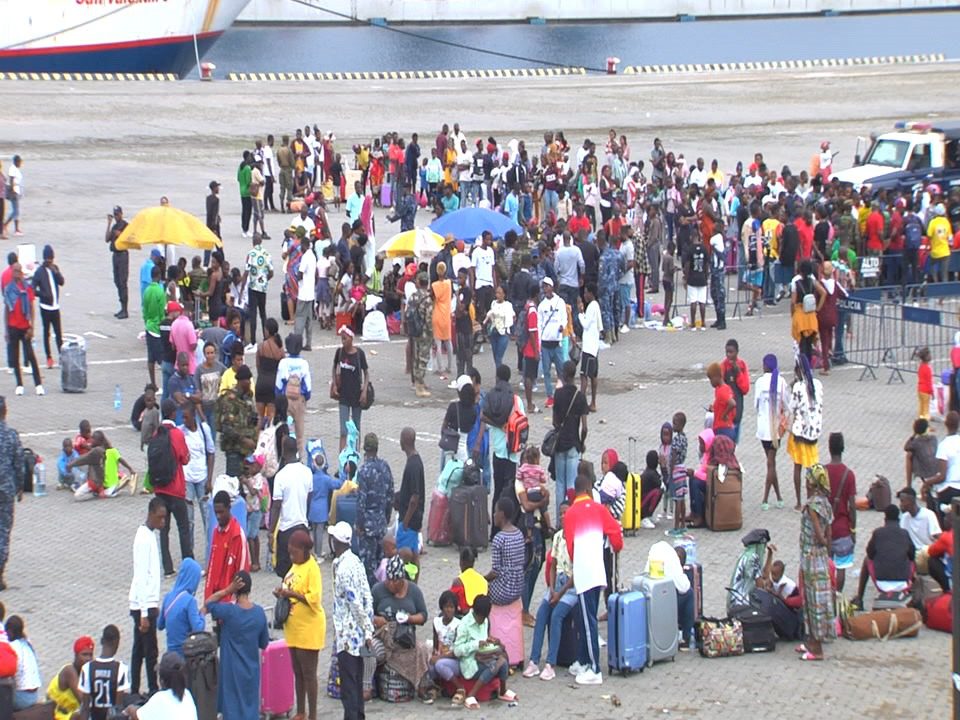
x: 889, y: 560
x: 673, y: 559
x: 482, y: 657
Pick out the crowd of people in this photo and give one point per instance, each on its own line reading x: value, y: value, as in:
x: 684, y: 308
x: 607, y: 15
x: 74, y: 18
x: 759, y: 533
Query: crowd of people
x: 601, y: 231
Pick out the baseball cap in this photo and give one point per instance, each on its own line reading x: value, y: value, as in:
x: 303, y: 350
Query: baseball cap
x: 548, y: 281
x: 463, y: 381
x: 174, y: 306
x: 213, y: 184
x: 341, y: 532
x: 156, y: 254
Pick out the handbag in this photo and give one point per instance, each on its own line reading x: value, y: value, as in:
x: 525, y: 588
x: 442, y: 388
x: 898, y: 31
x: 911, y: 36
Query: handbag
x: 404, y: 636
x: 281, y: 612
x: 720, y: 638
x: 371, y: 397
x: 450, y: 437
x: 549, y: 445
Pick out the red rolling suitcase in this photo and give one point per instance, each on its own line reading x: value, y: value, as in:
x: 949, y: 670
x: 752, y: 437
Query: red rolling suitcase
x: 276, y: 680
x: 438, y: 521
x: 694, y: 573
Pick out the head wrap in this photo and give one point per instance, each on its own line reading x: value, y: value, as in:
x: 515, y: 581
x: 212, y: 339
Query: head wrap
x: 817, y: 475
x: 395, y: 570
x: 723, y: 452
x: 770, y: 364
x: 83, y: 643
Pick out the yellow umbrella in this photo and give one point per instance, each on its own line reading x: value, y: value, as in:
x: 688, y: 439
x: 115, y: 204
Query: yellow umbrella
x: 419, y: 242
x: 166, y: 225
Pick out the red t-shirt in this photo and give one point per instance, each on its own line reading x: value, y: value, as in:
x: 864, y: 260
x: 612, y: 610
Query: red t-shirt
x: 875, y: 231
x: 577, y: 223
x: 532, y: 348
x: 723, y: 414
x: 841, y: 503
x: 178, y: 443
x: 805, y: 232
x: 17, y: 318
x: 896, y: 232
x: 925, y: 378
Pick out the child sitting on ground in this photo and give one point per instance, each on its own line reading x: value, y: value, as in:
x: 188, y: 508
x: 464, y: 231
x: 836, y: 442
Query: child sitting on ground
x: 318, y: 514
x: 651, y: 488
x: 67, y: 479
x: 482, y: 658
x: 390, y: 549
x: 103, y: 477
x: 469, y: 583
x: 443, y: 663
x: 780, y: 584
x: 678, y: 478
x: 533, y: 478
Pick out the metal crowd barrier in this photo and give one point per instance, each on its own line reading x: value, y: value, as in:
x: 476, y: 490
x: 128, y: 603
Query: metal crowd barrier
x: 885, y: 326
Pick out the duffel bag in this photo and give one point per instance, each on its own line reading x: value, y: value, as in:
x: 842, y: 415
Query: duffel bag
x: 883, y: 624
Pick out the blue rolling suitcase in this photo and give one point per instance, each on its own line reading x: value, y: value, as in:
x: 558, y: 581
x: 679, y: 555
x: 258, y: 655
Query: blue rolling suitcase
x: 627, y: 632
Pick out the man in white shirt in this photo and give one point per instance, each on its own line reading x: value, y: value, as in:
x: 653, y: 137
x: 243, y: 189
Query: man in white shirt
x: 698, y: 176
x: 552, y: 319
x: 258, y: 182
x: 920, y: 523
x: 14, y: 194
x: 144, y: 594
x: 306, y: 293
x: 591, y: 323
x: 469, y: 194
x: 627, y: 286
x: 484, y: 278
x: 270, y: 172
x: 198, y: 472
x: 292, y: 487
x: 946, y: 483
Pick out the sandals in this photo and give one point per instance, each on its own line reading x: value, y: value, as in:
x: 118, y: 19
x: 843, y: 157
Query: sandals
x: 471, y: 703
x: 810, y: 657
x: 458, y: 697
x: 801, y: 648
x: 508, y: 696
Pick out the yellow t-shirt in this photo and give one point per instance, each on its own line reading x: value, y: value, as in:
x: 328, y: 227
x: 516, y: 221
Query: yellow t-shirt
x: 939, y: 232
x: 771, y: 229
x: 306, y: 628
x: 67, y: 702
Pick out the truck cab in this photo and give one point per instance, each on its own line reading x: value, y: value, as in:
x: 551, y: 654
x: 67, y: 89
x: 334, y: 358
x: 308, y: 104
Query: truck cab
x: 911, y: 153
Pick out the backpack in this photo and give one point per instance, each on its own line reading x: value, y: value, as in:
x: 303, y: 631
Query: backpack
x: 879, y: 494
x: 161, y: 463
x: 292, y: 391
x: 8, y: 660
x: 912, y: 232
x: 413, y: 320
x: 809, y: 300
x: 517, y: 428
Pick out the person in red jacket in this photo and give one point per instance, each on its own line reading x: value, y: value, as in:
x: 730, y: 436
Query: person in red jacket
x: 228, y: 551
x: 586, y: 524
x: 939, y: 554
x: 735, y: 375
x: 174, y: 493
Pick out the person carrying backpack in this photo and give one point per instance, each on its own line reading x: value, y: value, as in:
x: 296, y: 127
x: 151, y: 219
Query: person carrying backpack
x: 912, y: 239
x: 167, y: 453
x: 294, y: 383
x: 503, y: 413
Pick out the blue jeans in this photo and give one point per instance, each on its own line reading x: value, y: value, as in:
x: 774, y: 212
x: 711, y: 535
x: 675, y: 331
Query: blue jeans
x: 22, y: 699
x: 589, y: 656
x: 196, y: 496
x: 565, y: 466
x: 698, y: 497
x: 550, y: 356
x: 499, y: 344
x: 166, y: 372
x: 550, y: 200
x: 685, y: 614
x: 551, y: 616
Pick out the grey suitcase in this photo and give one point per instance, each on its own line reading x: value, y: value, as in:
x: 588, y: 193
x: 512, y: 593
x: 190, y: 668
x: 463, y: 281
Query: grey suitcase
x: 662, y: 626
x: 73, y: 364
x: 469, y: 517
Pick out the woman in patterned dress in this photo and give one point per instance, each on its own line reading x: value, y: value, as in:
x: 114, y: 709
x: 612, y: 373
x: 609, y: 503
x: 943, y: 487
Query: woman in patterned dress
x: 818, y: 598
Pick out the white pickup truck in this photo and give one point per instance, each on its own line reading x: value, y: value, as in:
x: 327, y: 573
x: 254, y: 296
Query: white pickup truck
x: 913, y: 154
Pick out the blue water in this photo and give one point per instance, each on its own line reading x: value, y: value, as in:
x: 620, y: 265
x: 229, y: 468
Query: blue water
x: 359, y: 48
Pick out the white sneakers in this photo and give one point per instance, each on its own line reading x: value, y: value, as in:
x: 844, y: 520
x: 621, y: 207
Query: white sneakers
x: 19, y: 390
x: 40, y: 390
x: 589, y: 677
x: 604, y: 345
x: 624, y: 329
x: 576, y: 669
x: 647, y: 524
